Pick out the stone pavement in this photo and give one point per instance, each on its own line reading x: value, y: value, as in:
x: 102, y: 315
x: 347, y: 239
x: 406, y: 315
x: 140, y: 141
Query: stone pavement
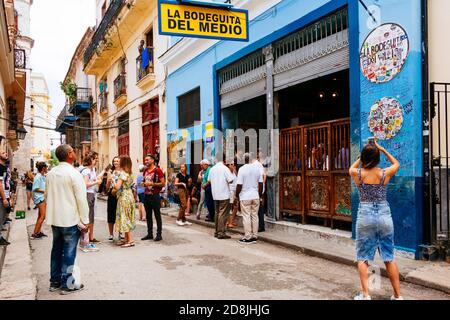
x: 17, y: 281
x: 434, y: 275
x: 190, y: 264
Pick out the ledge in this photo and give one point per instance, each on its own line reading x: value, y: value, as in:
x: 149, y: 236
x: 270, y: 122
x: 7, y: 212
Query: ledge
x: 146, y: 81
x: 121, y: 100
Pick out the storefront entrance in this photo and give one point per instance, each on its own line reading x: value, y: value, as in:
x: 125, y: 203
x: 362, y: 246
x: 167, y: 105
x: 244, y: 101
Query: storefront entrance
x: 315, y: 151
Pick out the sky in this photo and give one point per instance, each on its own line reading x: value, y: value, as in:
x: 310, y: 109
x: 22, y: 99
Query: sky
x: 57, y: 27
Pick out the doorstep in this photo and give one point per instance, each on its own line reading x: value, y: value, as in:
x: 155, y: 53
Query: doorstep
x: 337, y: 246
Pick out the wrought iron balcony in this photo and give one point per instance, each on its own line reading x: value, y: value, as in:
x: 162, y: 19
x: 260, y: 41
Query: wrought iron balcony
x: 99, y: 35
x: 83, y: 101
x: 64, y: 119
x: 102, y: 102
x: 144, y: 65
x: 120, y: 86
x: 20, y: 59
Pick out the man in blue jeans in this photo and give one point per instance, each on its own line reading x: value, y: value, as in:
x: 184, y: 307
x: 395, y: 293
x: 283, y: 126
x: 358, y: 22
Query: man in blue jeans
x: 68, y: 214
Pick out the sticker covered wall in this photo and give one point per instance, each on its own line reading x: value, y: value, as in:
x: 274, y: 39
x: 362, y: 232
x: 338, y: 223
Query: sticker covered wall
x: 390, y: 105
x: 391, y: 84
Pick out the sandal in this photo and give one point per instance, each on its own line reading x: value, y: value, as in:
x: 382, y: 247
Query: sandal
x: 120, y: 243
x: 127, y: 245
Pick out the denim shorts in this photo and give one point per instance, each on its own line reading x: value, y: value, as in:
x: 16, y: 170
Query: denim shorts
x: 374, y: 230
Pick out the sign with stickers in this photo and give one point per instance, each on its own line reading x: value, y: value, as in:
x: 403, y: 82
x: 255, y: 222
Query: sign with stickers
x: 386, y: 118
x: 203, y: 21
x: 384, y: 53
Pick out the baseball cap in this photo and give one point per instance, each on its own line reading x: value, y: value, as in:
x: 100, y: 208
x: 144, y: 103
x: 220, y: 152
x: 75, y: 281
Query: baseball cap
x: 205, y: 161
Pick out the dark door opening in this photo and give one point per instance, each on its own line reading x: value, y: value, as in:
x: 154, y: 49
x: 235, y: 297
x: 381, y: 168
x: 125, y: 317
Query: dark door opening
x: 315, y: 151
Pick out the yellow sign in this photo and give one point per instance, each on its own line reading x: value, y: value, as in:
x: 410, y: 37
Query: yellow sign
x: 202, y: 22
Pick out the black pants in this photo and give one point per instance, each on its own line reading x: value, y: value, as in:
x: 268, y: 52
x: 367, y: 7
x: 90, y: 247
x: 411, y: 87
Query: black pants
x: 209, y: 202
x: 153, y: 203
x: 111, y: 208
x: 261, y: 213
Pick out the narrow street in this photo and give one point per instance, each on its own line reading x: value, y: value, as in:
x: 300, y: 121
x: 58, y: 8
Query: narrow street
x: 190, y: 264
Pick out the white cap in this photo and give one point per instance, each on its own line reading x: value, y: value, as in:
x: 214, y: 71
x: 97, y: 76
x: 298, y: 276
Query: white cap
x: 205, y: 161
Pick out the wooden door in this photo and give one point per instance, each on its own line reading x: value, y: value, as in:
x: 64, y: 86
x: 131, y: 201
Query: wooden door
x: 124, y: 144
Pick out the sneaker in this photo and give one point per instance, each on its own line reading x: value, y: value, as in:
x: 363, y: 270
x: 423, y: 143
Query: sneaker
x: 362, y: 297
x: 4, y: 242
x: 8, y: 220
x: 89, y: 248
x: 42, y: 234
x: 247, y: 241
x: 158, y: 238
x: 95, y: 241
x: 180, y: 223
x: 54, y: 287
x: 66, y: 291
x: 35, y: 236
x: 111, y: 238
x: 147, y: 237
x: 399, y: 298
x: 187, y: 223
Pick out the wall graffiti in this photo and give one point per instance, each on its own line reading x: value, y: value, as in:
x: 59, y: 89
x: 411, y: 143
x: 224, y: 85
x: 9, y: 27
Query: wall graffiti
x: 384, y: 52
x: 386, y: 118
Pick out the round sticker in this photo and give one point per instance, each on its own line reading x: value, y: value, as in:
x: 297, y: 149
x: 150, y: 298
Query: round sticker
x: 385, y: 118
x: 384, y: 52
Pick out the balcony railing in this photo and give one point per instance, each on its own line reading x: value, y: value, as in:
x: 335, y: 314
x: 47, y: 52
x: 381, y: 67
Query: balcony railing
x: 20, y: 59
x: 110, y: 15
x: 102, y: 102
x: 144, y: 65
x: 120, y: 86
x: 84, y: 95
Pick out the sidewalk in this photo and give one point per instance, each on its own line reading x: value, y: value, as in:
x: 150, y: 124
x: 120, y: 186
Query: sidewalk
x: 434, y: 275
x: 17, y: 281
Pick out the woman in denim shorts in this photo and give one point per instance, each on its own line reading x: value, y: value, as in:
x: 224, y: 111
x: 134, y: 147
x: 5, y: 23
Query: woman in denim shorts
x: 374, y: 225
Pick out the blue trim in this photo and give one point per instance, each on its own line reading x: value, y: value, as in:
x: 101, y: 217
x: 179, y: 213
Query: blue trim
x: 290, y: 28
x: 199, y: 36
x: 405, y: 249
x: 355, y: 103
x: 216, y: 108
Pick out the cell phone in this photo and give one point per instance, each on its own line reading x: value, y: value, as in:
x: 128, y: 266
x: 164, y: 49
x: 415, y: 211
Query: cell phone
x: 371, y: 140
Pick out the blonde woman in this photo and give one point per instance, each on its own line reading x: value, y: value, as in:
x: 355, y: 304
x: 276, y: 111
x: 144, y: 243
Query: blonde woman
x: 125, y: 216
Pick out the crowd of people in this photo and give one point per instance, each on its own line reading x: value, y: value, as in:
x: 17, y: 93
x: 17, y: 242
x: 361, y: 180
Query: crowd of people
x: 223, y: 188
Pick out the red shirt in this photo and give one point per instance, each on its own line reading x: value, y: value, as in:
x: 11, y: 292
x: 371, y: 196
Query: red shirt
x: 154, y: 176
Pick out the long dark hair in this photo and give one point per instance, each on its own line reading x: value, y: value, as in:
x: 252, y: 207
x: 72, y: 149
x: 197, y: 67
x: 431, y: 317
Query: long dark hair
x: 370, y: 156
x: 113, y: 167
x: 126, y: 164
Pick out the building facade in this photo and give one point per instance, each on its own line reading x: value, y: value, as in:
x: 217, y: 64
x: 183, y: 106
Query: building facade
x: 77, y: 116
x: 24, y: 45
x: 42, y: 119
x: 13, y: 80
x: 325, y: 75
x: 130, y: 81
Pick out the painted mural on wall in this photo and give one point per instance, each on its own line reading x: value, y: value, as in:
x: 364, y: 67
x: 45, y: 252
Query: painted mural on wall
x: 384, y: 52
x: 386, y: 118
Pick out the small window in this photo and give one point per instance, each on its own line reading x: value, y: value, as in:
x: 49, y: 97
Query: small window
x: 189, y: 108
x: 124, y: 124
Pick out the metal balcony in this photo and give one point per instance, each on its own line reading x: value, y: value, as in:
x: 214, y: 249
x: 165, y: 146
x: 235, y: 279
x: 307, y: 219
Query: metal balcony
x: 64, y: 119
x: 20, y: 59
x: 144, y: 65
x: 83, y: 101
x: 109, y: 18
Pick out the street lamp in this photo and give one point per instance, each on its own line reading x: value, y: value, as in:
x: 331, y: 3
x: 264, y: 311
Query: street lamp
x: 21, y: 133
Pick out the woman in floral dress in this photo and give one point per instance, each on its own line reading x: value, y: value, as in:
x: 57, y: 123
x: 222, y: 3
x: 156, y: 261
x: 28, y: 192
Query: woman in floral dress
x: 125, y: 216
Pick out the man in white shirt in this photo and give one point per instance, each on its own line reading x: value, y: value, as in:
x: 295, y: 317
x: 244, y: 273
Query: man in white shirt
x: 249, y: 190
x: 67, y: 213
x: 220, y: 177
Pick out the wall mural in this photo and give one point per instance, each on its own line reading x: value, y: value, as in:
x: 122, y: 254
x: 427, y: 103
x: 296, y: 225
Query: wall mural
x: 384, y: 52
x: 385, y: 118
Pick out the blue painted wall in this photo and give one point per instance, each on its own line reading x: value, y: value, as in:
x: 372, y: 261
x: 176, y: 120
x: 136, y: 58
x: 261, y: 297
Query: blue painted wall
x: 290, y: 15
x: 405, y: 189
